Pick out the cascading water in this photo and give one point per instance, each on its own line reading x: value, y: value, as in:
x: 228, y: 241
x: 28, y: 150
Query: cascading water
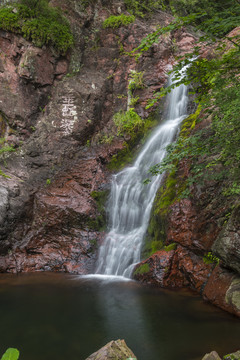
x: 131, y: 201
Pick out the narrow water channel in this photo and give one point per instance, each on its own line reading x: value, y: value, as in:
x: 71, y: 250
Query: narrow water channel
x: 63, y: 317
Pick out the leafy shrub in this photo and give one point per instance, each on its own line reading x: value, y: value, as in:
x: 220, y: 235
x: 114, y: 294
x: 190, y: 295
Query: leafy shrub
x: 38, y: 22
x: 136, y: 81
x: 118, y: 21
x: 127, y: 122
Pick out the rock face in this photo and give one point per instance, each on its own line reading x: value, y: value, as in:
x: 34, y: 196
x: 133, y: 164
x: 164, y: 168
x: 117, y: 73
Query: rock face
x: 116, y: 350
x: 56, y: 112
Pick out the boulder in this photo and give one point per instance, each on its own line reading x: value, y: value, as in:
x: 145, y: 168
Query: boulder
x: 114, y: 350
x: 212, y: 356
x: 233, y: 356
x: 227, y: 245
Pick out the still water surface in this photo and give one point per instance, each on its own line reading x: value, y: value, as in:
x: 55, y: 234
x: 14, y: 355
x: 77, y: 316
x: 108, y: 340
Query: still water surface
x: 64, y: 317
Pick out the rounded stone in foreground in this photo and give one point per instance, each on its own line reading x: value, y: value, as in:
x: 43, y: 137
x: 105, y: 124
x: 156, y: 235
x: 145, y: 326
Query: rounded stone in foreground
x: 114, y: 350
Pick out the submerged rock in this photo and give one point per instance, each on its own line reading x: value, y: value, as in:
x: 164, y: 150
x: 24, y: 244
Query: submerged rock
x: 114, y: 350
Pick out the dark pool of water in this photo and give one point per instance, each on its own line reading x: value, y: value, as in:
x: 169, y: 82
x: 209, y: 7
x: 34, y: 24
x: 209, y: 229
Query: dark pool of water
x: 62, y: 317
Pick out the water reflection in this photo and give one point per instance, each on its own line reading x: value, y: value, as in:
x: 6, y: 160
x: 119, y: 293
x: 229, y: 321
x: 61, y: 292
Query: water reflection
x: 59, y: 317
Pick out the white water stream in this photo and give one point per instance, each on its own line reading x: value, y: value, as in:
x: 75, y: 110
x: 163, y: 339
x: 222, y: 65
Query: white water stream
x: 131, y: 201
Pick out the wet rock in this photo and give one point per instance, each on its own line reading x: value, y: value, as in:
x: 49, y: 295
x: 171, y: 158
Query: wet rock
x: 223, y: 290
x: 190, y: 227
x: 188, y: 269
x: 212, y: 356
x: 155, y: 269
x: 233, y: 295
x: 233, y: 356
x: 227, y: 245
x: 116, y: 350
x: 64, y: 228
x: 175, y: 268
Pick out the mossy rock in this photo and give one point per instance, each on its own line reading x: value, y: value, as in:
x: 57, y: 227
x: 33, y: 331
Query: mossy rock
x: 127, y: 154
x: 142, y: 269
x: 99, y: 222
x: 155, y: 237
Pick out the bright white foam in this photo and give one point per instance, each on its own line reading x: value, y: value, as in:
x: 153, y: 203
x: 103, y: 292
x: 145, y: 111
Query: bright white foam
x: 102, y: 277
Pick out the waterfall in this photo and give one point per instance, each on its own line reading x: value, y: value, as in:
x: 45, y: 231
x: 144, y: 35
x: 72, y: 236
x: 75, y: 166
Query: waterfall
x: 131, y: 201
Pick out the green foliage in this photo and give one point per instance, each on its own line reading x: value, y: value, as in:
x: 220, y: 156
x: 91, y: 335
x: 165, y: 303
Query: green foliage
x: 209, y: 258
x: 134, y: 101
x: 38, y: 22
x: 127, y: 122
x: 118, y: 21
x: 136, y: 81
x: 141, y: 7
x: 5, y: 149
x: 142, y: 269
x: 217, y: 87
x: 10, y: 354
x: 106, y: 139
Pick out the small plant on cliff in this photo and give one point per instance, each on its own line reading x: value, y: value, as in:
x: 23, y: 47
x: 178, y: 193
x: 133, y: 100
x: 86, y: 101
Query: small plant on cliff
x: 5, y: 149
x: 127, y: 122
x: 136, y: 81
x: 118, y: 21
x: 209, y: 258
x: 10, y: 354
x: 38, y: 22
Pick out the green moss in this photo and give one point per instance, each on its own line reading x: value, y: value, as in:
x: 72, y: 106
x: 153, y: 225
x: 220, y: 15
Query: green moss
x: 155, y: 237
x: 118, y: 21
x: 170, y: 247
x: 127, y: 154
x: 99, y: 223
x: 189, y: 123
x: 142, y: 269
x: 38, y: 22
x: 172, y: 190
